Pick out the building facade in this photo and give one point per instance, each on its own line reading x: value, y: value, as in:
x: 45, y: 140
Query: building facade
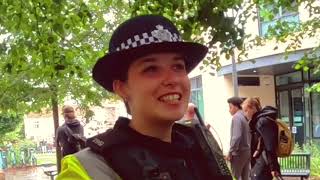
x: 39, y: 127
x: 268, y: 74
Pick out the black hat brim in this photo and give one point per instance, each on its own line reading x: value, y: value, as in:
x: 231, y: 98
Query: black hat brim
x: 113, y: 65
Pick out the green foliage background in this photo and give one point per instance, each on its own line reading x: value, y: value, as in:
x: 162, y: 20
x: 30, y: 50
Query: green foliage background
x: 314, y: 149
x: 8, y: 122
x: 49, y: 48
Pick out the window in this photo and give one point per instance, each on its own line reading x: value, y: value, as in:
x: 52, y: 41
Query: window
x: 305, y: 75
x: 196, y: 94
x: 297, y: 106
x: 307, y: 111
x: 315, y: 114
x: 248, y: 81
x: 282, y: 15
x: 283, y: 106
x: 293, y: 77
x: 314, y: 75
x: 36, y: 124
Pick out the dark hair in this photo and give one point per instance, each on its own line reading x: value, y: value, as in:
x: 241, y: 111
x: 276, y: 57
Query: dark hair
x: 123, y: 76
x: 127, y: 107
x: 236, y: 101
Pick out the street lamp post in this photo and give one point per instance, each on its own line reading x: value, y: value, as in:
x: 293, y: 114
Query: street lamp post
x: 234, y: 76
x: 232, y: 13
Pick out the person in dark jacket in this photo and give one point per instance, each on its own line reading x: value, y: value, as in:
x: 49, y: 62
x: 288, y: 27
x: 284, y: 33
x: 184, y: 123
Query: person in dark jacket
x: 264, y: 139
x: 64, y: 137
x: 147, y: 66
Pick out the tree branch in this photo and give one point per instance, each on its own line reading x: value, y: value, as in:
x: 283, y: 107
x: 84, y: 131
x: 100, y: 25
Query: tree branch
x: 35, y: 14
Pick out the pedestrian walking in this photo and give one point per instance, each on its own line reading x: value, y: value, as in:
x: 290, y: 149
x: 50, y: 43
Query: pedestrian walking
x: 239, y: 153
x: 264, y: 139
x: 67, y: 133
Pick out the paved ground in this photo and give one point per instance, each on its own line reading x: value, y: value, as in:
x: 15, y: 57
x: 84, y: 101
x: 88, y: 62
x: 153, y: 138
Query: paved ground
x: 34, y: 173
x: 297, y: 178
x: 38, y: 174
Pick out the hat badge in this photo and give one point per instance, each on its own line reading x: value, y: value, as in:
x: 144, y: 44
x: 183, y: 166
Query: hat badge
x: 162, y: 34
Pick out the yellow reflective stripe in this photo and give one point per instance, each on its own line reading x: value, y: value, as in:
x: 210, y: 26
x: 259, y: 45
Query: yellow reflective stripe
x: 71, y: 169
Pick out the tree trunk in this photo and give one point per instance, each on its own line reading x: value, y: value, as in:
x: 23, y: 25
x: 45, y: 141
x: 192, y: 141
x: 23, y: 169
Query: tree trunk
x: 55, y: 110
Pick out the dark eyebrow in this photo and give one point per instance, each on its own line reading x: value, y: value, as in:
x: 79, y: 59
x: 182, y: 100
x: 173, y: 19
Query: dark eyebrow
x: 179, y: 57
x: 148, y: 59
x: 152, y: 59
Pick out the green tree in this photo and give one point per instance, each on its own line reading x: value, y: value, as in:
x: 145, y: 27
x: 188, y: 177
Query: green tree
x: 14, y: 136
x: 47, y: 51
x: 206, y: 21
x: 222, y: 23
x: 8, y: 123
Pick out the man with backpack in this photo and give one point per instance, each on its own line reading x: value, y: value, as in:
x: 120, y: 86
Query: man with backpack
x: 70, y: 134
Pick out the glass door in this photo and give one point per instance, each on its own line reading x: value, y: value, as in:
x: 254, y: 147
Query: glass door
x: 291, y: 111
x: 298, y: 115
x: 284, y: 113
x: 315, y: 115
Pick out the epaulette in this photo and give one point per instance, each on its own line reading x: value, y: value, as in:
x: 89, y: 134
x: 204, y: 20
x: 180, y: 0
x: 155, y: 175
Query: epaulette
x: 183, y: 128
x: 102, y: 142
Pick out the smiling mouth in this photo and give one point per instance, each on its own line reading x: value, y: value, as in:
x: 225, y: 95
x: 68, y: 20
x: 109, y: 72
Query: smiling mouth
x: 170, y: 98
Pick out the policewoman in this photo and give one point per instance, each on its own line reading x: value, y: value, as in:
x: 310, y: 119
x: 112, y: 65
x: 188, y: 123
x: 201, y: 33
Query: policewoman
x: 147, y: 66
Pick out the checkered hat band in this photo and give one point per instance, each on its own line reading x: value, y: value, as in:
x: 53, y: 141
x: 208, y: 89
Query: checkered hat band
x: 155, y: 36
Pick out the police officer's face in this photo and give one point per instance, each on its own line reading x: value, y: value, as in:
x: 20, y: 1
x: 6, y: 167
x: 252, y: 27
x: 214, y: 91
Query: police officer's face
x: 157, y: 87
